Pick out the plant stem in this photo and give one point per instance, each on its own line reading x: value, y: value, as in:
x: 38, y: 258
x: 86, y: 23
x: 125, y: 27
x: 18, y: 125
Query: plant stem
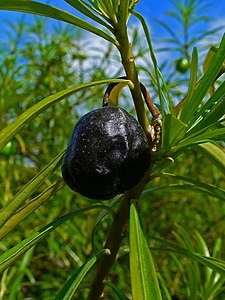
x: 120, y: 221
x: 125, y: 50
x: 115, y: 237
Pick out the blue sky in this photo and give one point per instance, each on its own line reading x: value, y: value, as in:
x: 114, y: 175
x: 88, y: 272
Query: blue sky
x: 149, y: 8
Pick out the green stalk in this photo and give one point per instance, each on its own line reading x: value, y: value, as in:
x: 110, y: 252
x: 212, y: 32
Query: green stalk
x: 127, y: 57
x: 115, y: 237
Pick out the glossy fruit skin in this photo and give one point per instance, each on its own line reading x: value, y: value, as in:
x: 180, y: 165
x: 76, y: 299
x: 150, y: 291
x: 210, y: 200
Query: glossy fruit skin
x: 107, y: 154
x: 182, y: 65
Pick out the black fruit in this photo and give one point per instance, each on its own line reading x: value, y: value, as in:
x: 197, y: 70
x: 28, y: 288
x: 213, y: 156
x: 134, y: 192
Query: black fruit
x: 107, y: 154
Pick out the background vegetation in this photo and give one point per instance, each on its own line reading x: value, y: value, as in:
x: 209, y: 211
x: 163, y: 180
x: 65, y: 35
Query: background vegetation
x: 178, y: 214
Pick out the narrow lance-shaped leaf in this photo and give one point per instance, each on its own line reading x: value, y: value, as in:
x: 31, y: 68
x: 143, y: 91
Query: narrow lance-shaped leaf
x: 206, y: 63
x: 45, y: 10
x: 107, y: 9
x: 211, y: 135
x: 28, y: 208
x: 86, y: 9
x: 7, y: 211
x: 70, y: 287
x: 181, y: 187
x: 203, y: 87
x: 12, y: 254
x: 186, y: 102
x: 143, y: 274
x: 210, y: 262
x: 214, y: 191
x: 155, y: 64
x: 212, y: 110
x: 8, y: 132
x: 172, y: 131
x: 214, y: 153
x: 117, y: 292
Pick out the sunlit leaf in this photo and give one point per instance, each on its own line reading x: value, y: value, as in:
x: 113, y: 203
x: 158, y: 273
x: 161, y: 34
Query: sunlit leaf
x: 213, y: 152
x: 28, y: 208
x: 173, y: 131
x: 185, y: 112
x: 8, y: 132
x: 41, y: 9
x: 210, y: 262
x: 209, y: 136
x: 7, y: 258
x: 23, y: 195
x: 191, y: 106
x: 143, y: 274
x: 164, y: 105
x: 87, y: 10
x: 195, y: 185
x: 211, y: 111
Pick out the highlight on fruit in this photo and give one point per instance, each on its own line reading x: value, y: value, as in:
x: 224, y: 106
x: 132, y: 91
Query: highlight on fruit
x: 182, y: 65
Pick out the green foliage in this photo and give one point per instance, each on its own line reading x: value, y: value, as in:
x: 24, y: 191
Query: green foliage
x: 49, y: 81
x: 143, y: 274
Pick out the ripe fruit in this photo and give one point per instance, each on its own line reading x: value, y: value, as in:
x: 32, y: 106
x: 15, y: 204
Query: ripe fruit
x: 182, y: 65
x: 107, y: 154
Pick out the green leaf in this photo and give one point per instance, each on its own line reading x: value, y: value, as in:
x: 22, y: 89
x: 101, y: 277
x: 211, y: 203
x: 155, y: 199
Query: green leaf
x: 210, y: 262
x: 187, y: 112
x: 155, y: 64
x: 203, y: 249
x: 143, y: 274
x: 209, y: 77
x: 117, y: 292
x: 213, y: 152
x: 211, y: 111
x: 22, y: 270
x: 107, y: 9
x: 195, y: 185
x: 37, y: 8
x: 173, y: 131
x: 73, y: 282
x: 164, y: 287
x: 7, y: 211
x: 194, y: 278
x: 7, y: 258
x: 211, y: 135
x: 182, y: 187
x: 8, y: 132
x: 28, y: 208
x: 86, y: 9
x: 209, y: 58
